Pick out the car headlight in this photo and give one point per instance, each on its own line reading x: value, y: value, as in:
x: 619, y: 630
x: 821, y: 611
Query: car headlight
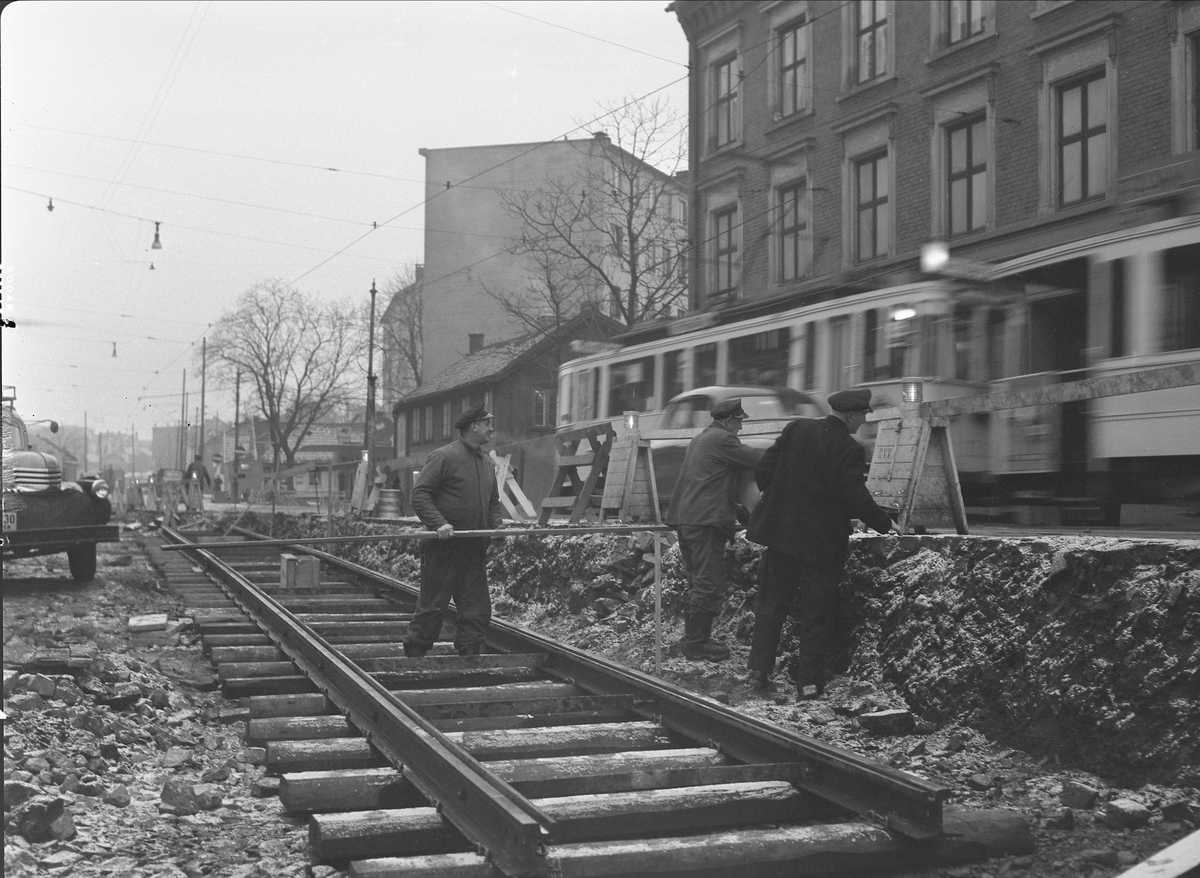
x: 100, y: 488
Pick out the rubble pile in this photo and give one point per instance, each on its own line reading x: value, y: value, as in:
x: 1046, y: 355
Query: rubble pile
x: 120, y: 755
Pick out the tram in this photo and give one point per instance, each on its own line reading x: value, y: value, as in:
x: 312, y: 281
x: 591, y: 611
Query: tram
x: 1116, y: 303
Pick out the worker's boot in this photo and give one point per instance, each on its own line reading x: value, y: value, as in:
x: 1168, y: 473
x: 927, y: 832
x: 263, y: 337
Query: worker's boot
x: 412, y: 650
x: 764, y: 643
x: 698, y: 644
x: 471, y: 648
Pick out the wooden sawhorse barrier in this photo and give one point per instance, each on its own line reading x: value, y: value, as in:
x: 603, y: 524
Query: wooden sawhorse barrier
x: 569, y: 491
x: 913, y: 470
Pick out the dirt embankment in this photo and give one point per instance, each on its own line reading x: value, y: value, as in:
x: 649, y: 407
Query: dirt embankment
x: 1082, y: 648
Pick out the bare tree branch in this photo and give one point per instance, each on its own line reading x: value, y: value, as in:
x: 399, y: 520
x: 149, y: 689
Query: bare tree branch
x: 618, y: 221
x: 400, y: 332
x: 297, y: 352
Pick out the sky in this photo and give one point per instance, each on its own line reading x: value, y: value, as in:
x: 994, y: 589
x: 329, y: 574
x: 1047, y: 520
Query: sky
x: 262, y: 140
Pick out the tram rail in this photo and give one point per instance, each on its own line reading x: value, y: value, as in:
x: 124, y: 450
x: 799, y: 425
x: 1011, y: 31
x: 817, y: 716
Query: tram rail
x: 535, y: 758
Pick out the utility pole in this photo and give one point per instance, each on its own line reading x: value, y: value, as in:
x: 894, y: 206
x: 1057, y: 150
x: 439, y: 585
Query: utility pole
x: 369, y: 428
x: 182, y: 418
x: 85, y: 444
x: 203, y: 370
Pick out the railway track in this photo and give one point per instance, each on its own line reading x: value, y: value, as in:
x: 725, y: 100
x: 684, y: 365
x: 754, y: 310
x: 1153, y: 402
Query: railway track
x: 533, y: 758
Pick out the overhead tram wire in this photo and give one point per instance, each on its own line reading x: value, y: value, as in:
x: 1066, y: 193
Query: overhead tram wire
x: 478, y: 174
x: 583, y: 34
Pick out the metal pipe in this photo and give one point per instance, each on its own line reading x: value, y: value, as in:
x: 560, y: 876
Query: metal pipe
x: 432, y: 535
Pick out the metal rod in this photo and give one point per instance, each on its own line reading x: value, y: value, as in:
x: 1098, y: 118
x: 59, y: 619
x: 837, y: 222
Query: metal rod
x: 432, y: 535
x: 657, y: 608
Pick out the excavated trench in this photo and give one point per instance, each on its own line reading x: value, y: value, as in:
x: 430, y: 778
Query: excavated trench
x: 1082, y: 648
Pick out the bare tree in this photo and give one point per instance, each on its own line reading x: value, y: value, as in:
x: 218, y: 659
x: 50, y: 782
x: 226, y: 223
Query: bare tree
x: 617, y: 225
x: 297, y: 351
x: 400, y: 332
x: 556, y: 289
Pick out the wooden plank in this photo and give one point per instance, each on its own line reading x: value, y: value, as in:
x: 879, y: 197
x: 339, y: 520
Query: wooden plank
x: 762, y: 851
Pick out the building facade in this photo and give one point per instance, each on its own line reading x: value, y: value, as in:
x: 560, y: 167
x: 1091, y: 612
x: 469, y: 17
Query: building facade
x: 1052, y: 149
x: 516, y: 380
x: 472, y: 241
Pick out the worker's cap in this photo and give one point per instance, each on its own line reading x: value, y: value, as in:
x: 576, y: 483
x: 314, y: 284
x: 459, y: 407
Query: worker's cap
x: 471, y: 415
x: 857, y: 400
x: 729, y: 408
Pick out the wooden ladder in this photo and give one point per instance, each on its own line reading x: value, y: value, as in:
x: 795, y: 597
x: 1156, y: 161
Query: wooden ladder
x: 570, y: 491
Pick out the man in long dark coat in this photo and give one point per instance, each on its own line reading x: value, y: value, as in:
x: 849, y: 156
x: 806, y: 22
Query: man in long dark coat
x: 814, y: 483
x: 456, y: 489
x: 703, y: 511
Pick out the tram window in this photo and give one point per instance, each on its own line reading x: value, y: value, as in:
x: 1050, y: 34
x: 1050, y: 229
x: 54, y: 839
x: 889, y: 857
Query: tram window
x: 706, y: 364
x: 901, y: 334
x: 672, y: 374
x: 871, y: 345
x: 810, y: 355
x: 1182, y: 304
x: 962, y: 342
x: 566, y: 398
x: 585, y: 400
x: 1118, y: 307
x: 630, y: 386
x: 840, y: 368
x: 760, y: 359
x: 995, y: 344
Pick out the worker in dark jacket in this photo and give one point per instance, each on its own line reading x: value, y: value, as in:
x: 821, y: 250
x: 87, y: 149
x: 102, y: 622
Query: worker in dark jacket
x: 814, y: 482
x: 456, y: 490
x: 703, y: 513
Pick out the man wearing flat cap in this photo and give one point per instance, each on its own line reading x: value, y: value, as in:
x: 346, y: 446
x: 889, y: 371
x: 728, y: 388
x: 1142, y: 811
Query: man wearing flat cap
x: 703, y: 511
x: 456, y: 490
x: 813, y: 480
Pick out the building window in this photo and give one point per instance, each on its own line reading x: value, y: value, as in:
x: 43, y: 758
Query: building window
x: 793, y: 69
x: 726, y: 121
x: 793, y: 232
x: 964, y: 19
x: 871, y: 29
x: 427, y: 423
x: 1083, y: 139
x: 967, y: 176
x: 541, y: 408
x: 446, y: 418
x: 872, y: 189
x: 725, y: 251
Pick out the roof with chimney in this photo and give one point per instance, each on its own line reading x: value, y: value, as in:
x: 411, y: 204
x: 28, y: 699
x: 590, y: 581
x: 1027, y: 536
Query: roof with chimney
x: 493, y: 362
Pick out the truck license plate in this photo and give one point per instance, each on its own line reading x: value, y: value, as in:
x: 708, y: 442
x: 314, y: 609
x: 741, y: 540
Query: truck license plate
x: 10, y: 521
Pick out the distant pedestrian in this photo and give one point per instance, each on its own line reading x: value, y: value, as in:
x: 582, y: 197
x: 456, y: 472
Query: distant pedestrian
x: 703, y: 511
x: 456, y: 490
x: 813, y: 480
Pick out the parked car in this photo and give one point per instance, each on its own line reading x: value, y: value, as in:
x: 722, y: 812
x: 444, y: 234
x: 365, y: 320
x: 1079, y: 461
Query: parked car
x: 42, y: 514
x: 769, y: 410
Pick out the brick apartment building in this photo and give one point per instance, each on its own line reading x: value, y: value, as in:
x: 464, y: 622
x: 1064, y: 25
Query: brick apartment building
x: 1052, y: 146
